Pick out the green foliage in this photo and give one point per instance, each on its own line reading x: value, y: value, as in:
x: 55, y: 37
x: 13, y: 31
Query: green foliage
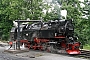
x: 32, y: 9
x: 75, y: 12
x: 87, y: 47
x: 11, y: 10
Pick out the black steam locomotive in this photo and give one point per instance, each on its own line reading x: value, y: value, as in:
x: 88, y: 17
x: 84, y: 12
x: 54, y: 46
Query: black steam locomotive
x: 52, y: 36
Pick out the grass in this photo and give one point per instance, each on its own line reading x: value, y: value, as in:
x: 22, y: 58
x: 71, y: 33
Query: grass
x: 87, y: 47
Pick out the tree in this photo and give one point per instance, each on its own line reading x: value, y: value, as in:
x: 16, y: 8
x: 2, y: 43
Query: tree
x: 11, y: 10
x: 32, y: 9
x: 86, y: 13
x: 4, y: 19
x: 75, y: 12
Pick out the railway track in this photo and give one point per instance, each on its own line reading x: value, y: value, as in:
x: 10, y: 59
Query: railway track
x: 84, y: 54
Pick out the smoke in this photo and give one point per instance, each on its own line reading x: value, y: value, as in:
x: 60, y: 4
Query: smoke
x: 48, y: 1
x: 56, y: 4
x: 61, y: 13
x: 57, y: 7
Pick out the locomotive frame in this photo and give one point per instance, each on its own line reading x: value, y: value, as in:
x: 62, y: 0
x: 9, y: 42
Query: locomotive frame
x: 51, y: 36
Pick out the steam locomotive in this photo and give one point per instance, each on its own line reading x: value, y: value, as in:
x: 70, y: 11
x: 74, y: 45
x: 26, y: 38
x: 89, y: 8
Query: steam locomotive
x: 51, y: 36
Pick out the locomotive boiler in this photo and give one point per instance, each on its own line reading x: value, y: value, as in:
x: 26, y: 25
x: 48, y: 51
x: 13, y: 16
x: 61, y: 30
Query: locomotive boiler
x: 52, y: 36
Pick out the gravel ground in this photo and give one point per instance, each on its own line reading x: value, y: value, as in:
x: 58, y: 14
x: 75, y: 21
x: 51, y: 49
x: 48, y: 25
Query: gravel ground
x: 4, y: 56
x: 32, y: 55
